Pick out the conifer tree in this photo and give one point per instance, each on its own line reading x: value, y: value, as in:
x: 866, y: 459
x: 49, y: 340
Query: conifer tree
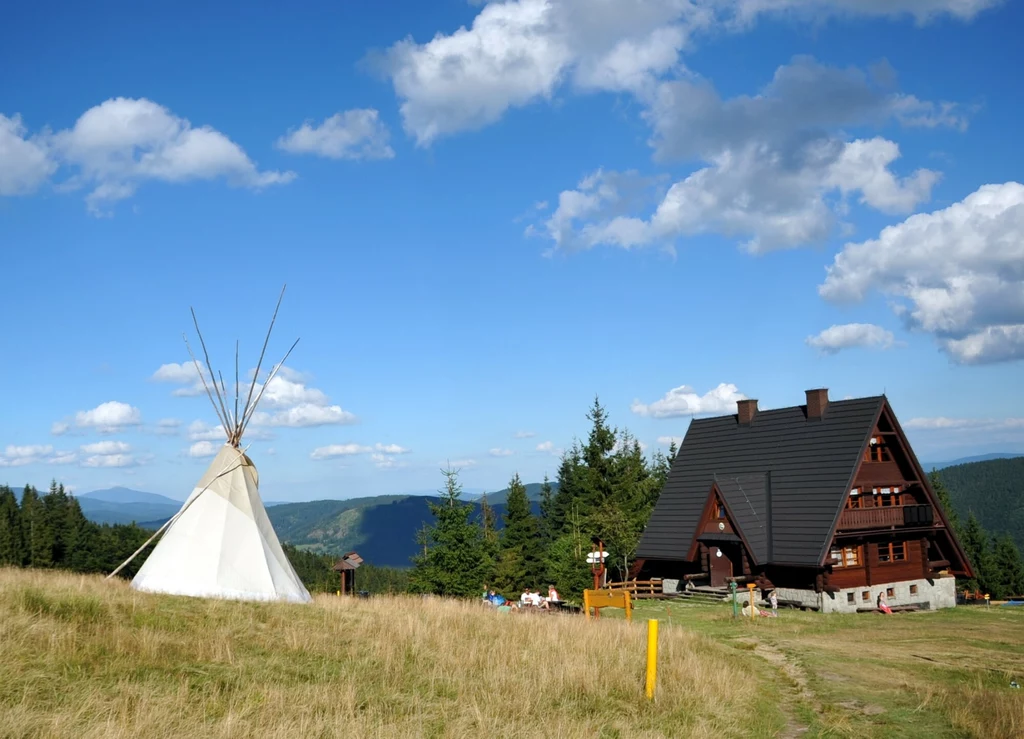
x: 547, y: 506
x: 977, y: 545
x: 521, y: 561
x: 1009, y: 568
x: 942, y: 493
x: 36, y: 529
x: 490, y: 540
x: 12, y: 550
x: 452, y: 561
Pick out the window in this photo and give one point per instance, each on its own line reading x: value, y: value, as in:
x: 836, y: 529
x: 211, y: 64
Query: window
x: 849, y: 597
x: 890, y: 592
x: 720, y: 510
x: 894, y: 551
x: 877, y: 451
x: 913, y: 590
x: 866, y: 595
x: 845, y: 556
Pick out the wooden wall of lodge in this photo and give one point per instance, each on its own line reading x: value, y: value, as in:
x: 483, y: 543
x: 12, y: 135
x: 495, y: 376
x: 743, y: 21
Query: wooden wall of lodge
x: 872, y: 572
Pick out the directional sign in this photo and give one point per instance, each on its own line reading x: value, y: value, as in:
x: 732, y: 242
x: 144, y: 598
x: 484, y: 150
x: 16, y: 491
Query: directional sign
x: 595, y: 557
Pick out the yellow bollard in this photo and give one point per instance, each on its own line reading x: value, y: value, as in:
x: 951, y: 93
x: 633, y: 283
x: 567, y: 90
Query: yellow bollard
x: 652, y: 656
x: 750, y: 587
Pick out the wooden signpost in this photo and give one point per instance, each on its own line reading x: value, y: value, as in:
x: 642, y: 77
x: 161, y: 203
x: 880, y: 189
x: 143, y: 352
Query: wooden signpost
x: 598, y: 599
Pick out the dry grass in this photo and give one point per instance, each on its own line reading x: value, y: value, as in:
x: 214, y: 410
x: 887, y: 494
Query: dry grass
x: 87, y: 658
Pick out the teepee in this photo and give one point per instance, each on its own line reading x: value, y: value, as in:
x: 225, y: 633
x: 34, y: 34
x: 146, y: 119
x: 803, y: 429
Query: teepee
x: 221, y: 543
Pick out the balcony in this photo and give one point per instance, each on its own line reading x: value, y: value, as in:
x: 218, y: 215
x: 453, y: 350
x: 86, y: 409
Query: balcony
x: 885, y: 517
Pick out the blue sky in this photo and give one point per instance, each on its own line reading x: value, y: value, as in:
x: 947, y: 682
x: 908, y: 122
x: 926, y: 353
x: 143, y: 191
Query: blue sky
x: 487, y: 213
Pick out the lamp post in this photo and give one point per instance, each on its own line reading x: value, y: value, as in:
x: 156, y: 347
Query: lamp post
x: 597, y: 563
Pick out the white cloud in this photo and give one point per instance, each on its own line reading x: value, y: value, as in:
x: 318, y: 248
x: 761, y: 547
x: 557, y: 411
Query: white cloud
x: 386, y: 462
x: 283, y: 392
x: 110, y: 460
x: 183, y: 374
x: 525, y: 434
x: 305, y: 415
x: 772, y: 172
x: 339, y: 450
x: 459, y: 463
x: 667, y: 440
x: 62, y: 458
x: 390, y: 448
x: 107, y: 447
x: 957, y: 270
x: 123, y: 142
x: 26, y: 160
x: 202, y: 431
x: 59, y: 428
x: 684, y: 401
x: 203, y: 449
x: 498, y: 452
x: 545, y: 446
x: 517, y: 52
x: 353, y: 134
x: 849, y: 335
x: 942, y: 423
x: 168, y: 426
x: 110, y: 417
x: 19, y: 456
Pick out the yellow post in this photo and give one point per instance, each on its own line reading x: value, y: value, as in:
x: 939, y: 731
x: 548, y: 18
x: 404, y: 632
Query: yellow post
x: 750, y: 587
x: 586, y: 603
x: 652, y: 656
x: 629, y: 606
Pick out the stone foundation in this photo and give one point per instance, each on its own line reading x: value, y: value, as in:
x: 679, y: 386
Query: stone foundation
x: 940, y: 593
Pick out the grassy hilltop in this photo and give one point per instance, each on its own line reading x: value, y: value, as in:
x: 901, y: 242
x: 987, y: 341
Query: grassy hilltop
x: 83, y: 657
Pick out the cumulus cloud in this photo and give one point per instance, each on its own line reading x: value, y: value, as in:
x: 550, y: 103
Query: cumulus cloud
x: 390, y: 448
x: 458, y: 463
x: 19, y: 456
x: 107, y: 418
x: 352, y: 134
x: 110, y: 460
x: 203, y: 449
x: 773, y: 170
x: 525, y: 434
x: 185, y: 374
x: 26, y: 161
x: 943, y: 423
x: 385, y: 461
x: 848, y: 335
x: 202, y: 431
x: 59, y: 428
x: 518, y: 52
x: 685, y: 401
x: 499, y: 452
x: 305, y: 415
x: 957, y: 273
x: 339, y: 450
x: 107, y: 447
x: 168, y: 426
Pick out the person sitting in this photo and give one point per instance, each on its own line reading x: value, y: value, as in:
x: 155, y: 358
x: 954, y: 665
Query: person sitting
x: 553, y: 597
x: 525, y: 598
x: 882, y: 605
x: 535, y: 599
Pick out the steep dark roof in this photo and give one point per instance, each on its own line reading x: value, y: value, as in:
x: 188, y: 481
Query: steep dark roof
x: 798, y: 469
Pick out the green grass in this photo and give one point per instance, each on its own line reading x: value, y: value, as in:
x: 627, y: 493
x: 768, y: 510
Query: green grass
x: 926, y: 674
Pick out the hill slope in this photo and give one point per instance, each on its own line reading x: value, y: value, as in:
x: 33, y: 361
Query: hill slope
x: 993, y: 490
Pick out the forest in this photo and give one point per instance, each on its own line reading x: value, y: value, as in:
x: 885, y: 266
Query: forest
x: 606, y: 487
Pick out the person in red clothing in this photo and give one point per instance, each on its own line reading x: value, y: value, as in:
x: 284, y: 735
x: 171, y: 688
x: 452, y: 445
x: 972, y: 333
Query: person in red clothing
x: 882, y: 605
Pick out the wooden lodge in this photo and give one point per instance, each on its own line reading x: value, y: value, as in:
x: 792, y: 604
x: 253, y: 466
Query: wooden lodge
x: 824, y: 502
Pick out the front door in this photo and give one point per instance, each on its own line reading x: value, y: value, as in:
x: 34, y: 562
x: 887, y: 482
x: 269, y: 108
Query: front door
x: 721, y: 566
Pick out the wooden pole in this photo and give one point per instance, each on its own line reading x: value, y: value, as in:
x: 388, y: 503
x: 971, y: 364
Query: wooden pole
x: 750, y: 587
x: 652, y: 657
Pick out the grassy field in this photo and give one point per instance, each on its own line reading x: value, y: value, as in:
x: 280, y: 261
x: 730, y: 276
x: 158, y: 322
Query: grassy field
x: 83, y: 657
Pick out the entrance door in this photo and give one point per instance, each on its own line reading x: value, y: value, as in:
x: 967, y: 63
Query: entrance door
x: 721, y: 566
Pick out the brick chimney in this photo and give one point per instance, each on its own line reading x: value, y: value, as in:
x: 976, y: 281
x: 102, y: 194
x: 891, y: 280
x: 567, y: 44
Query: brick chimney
x: 746, y: 409
x: 817, y: 401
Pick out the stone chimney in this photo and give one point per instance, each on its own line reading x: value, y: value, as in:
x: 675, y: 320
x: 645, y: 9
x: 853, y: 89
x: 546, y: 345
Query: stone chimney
x: 817, y: 401
x: 746, y: 410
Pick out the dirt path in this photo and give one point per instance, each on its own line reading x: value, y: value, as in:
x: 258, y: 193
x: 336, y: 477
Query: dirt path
x: 797, y: 691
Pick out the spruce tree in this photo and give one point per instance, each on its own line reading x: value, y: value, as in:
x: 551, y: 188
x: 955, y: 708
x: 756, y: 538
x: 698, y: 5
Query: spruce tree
x: 452, y: 561
x: 36, y: 529
x: 547, y: 507
x: 1009, y: 568
x: 521, y: 560
x: 490, y: 540
x: 12, y: 549
x: 978, y: 548
x: 942, y: 493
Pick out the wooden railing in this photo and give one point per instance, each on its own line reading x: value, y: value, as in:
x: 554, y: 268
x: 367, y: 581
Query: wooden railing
x: 638, y: 588
x: 871, y: 518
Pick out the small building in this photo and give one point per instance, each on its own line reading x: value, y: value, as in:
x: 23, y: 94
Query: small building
x: 346, y: 567
x: 824, y: 502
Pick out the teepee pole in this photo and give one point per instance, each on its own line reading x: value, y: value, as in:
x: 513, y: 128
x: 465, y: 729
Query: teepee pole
x: 256, y: 402
x: 175, y: 517
x: 213, y: 376
x: 202, y: 377
x: 236, y: 384
x: 263, y: 352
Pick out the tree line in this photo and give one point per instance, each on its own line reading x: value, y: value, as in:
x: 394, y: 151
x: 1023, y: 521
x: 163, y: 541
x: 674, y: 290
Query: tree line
x: 995, y: 559
x: 50, y: 531
x: 607, y: 488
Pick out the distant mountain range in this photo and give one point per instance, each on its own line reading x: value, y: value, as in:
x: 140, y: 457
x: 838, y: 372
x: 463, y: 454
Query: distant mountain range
x: 929, y: 466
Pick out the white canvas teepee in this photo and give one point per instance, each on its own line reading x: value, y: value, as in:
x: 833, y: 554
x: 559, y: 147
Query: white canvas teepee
x: 221, y: 543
